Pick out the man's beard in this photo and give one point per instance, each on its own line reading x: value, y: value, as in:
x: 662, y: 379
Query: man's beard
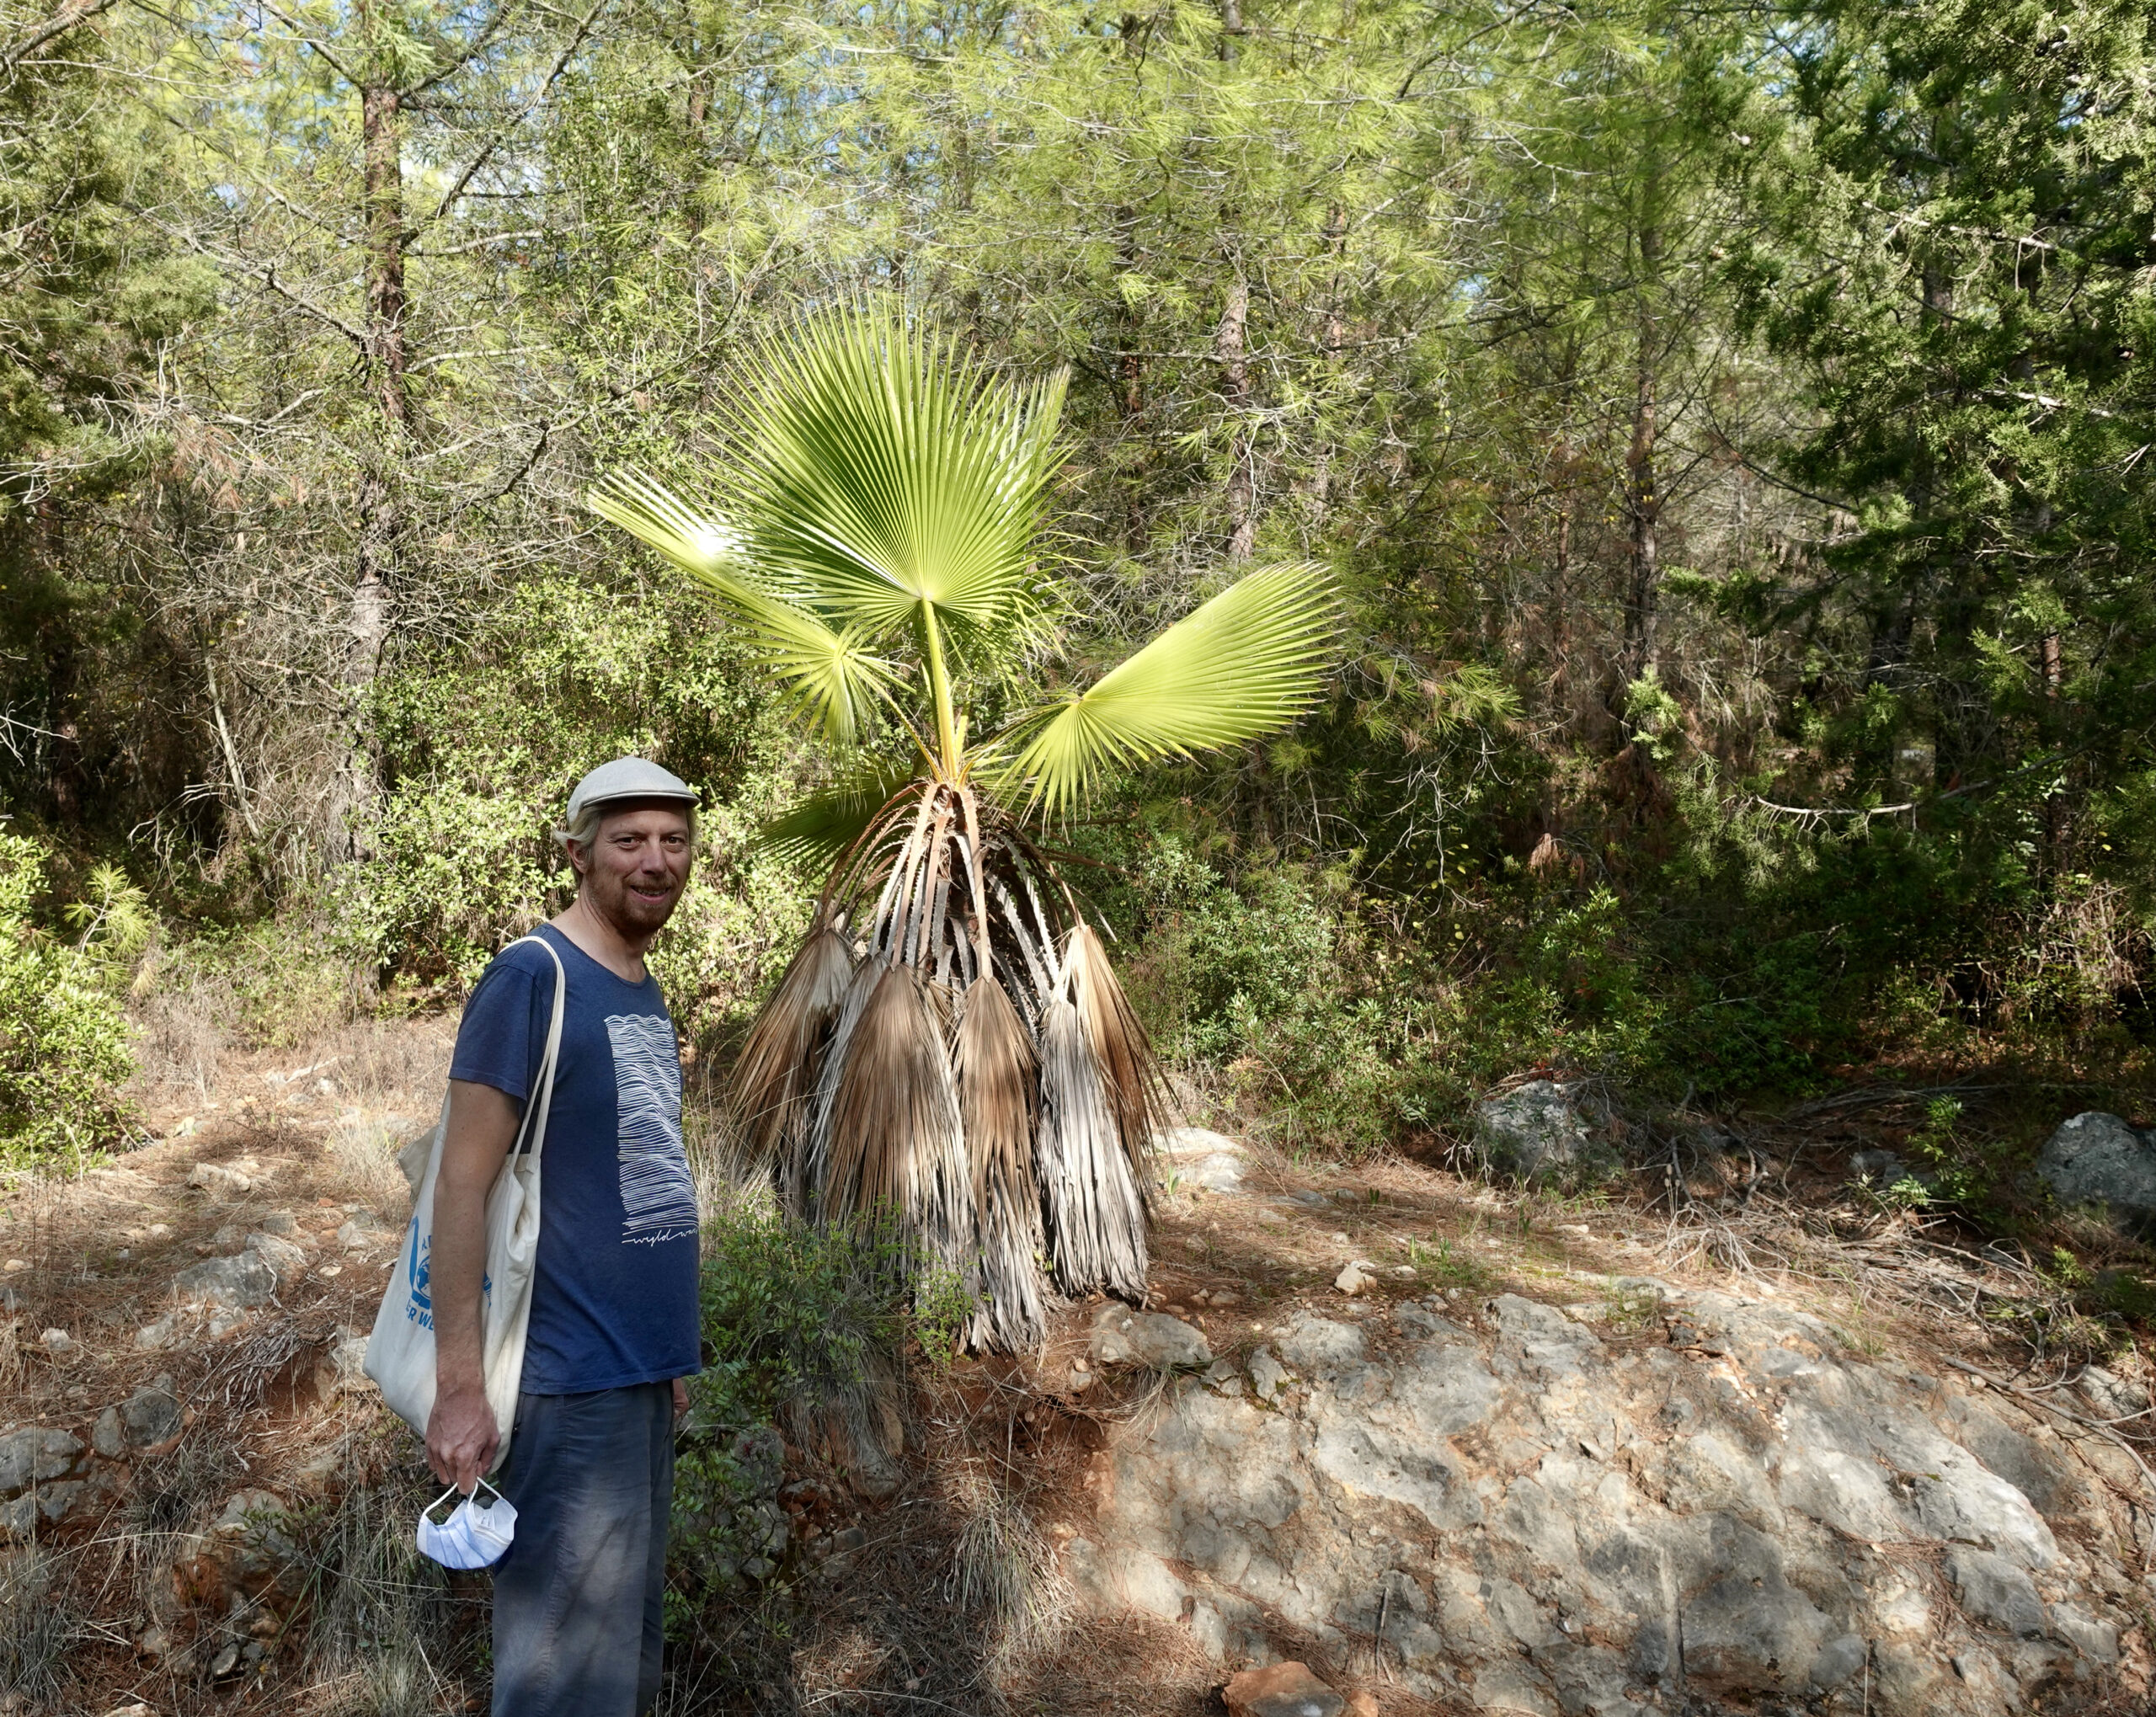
x: 630, y: 911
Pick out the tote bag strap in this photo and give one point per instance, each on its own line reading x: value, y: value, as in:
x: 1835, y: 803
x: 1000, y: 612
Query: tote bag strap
x: 533, y: 1128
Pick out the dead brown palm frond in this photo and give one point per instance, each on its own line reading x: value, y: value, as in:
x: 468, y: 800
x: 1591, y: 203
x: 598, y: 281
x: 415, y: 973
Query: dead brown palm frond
x: 1125, y: 1058
x: 996, y: 1086
x: 1094, y: 1209
x: 893, y: 1133
x: 776, y: 1075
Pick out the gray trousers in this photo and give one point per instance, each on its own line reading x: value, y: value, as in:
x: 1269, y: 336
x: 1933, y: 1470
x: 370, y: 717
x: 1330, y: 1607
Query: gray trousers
x: 579, y: 1617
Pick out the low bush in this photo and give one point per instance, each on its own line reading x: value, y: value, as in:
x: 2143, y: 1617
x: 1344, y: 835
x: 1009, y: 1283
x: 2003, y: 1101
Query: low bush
x: 64, y: 1040
x: 801, y: 1324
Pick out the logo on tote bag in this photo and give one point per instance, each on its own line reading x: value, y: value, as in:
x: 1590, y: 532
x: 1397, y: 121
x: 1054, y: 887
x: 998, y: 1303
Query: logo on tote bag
x: 419, y: 1308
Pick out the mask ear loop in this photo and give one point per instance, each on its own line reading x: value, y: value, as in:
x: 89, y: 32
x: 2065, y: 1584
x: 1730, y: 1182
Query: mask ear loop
x: 454, y: 1492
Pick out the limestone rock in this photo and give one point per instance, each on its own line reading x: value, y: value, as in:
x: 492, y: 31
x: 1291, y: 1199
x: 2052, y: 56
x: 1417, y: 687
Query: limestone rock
x: 280, y: 1254
x: 1281, y: 1690
x: 1528, y: 1518
x: 1357, y: 1277
x: 35, y: 1454
x: 150, y: 1418
x: 1992, y: 1589
x: 2112, y: 1396
x: 58, y: 1343
x: 220, y: 1179
x: 1201, y: 1158
x: 1540, y: 1130
x: 2097, y: 1159
x: 247, y: 1280
x: 1121, y: 1336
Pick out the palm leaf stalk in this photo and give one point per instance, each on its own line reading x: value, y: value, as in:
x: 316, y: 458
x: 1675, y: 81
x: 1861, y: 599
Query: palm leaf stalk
x: 950, y: 1040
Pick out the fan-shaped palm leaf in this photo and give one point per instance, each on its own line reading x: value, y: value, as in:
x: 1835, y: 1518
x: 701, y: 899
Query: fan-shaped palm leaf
x: 884, y: 471
x: 819, y: 830
x: 831, y: 671
x: 1245, y: 663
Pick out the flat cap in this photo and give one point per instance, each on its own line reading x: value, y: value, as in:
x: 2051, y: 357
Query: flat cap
x: 628, y: 778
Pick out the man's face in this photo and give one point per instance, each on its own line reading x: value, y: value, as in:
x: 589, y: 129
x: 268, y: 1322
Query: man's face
x: 636, y: 867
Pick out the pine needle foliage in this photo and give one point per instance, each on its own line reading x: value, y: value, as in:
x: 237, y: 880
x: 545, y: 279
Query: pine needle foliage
x: 950, y: 1042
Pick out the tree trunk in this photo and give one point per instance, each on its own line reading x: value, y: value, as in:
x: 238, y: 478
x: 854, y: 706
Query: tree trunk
x: 1228, y: 346
x: 374, y: 574
x: 1643, y: 501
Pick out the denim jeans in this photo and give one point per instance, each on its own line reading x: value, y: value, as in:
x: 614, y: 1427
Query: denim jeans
x: 578, y: 1600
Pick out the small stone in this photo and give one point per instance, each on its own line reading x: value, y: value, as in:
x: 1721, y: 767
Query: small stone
x: 150, y: 1418
x: 228, y: 1238
x: 58, y: 1343
x: 15, y: 1264
x: 287, y: 1259
x: 224, y: 1662
x: 1355, y: 1279
x: 104, y: 1434
x: 1362, y: 1702
x: 1267, y: 1374
x: 155, y: 1335
x: 218, y: 1178
x: 35, y: 1454
x: 1222, y: 1299
x: 137, y: 1709
x: 1281, y: 1690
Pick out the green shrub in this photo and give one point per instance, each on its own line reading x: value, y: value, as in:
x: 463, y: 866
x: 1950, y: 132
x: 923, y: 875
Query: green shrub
x: 798, y: 1320
x: 64, y: 1045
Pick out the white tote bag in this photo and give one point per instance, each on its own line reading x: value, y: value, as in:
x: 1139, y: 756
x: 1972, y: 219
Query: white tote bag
x: 401, y: 1351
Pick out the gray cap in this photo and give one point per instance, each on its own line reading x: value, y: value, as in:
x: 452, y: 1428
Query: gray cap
x: 628, y: 778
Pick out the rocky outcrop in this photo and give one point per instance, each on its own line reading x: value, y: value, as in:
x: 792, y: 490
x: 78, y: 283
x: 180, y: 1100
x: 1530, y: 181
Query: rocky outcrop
x: 2097, y: 1159
x: 1524, y: 1513
x: 50, y: 1478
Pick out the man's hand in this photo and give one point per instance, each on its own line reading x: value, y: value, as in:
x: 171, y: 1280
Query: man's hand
x: 680, y: 1396
x: 462, y: 1436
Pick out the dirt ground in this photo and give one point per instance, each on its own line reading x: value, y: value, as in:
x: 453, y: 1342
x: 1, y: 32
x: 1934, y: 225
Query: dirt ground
x: 877, y: 1609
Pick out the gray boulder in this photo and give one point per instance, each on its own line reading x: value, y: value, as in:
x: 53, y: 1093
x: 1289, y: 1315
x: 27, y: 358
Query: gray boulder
x: 1121, y: 1336
x: 1542, y: 1130
x: 247, y: 1280
x: 2097, y: 1159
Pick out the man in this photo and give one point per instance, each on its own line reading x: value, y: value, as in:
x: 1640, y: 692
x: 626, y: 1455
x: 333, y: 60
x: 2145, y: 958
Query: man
x: 614, y: 1326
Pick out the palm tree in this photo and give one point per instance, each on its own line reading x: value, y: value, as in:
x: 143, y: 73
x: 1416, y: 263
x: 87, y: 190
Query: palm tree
x: 950, y: 1041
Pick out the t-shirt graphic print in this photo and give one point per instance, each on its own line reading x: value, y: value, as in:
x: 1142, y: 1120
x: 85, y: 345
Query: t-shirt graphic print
x: 659, y: 1200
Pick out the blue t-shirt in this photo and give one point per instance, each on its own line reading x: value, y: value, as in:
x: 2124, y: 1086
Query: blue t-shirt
x: 614, y: 1292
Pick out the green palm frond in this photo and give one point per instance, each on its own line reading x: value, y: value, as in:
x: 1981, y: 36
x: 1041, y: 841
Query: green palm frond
x: 885, y: 469
x: 818, y: 830
x: 830, y: 670
x: 1247, y: 661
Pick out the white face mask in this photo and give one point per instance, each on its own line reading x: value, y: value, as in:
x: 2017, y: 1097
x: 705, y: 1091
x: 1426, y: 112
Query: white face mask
x: 476, y: 1533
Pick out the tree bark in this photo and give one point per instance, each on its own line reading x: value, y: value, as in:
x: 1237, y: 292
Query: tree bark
x: 374, y: 573
x: 1643, y: 501
x: 1228, y: 347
